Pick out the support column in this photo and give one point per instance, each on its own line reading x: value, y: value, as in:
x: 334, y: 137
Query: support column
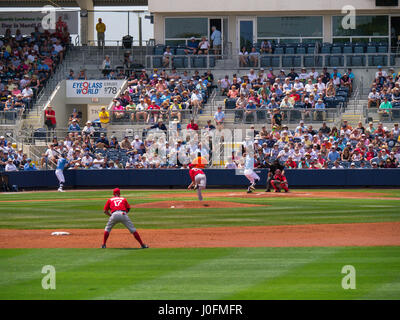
x: 87, y: 22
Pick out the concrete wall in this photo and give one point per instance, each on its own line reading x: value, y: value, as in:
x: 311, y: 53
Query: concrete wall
x: 255, y: 6
x: 63, y: 106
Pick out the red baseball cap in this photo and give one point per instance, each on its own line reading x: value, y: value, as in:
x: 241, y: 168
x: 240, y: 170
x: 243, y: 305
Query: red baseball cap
x: 116, y: 191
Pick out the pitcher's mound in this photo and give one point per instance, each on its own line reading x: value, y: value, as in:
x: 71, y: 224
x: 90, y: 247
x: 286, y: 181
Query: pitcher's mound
x: 194, y: 204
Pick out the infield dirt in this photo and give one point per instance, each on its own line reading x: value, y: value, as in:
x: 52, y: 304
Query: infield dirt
x: 308, y: 235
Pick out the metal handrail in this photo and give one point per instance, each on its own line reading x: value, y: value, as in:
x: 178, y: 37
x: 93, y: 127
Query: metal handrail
x: 320, y: 60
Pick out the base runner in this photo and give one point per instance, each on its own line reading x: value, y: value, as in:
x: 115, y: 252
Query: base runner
x: 279, y: 182
x: 199, y: 180
x: 249, y: 172
x: 61, y: 164
x: 119, y: 208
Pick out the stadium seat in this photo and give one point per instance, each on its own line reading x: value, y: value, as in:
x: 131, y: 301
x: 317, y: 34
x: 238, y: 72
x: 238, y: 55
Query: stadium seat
x: 336, y: 50
x: 238, y: 116
x: 382, y: 49
x: 230, y: 103
x: 261, y: 116
x: 279, y: 50
x: 311, y: 50
x: 287, y: 61
x: 356, y: 61
x: 336, y: 61
x: 326, y: 49
x: 159, y: 51
x: 157, y: 62
x: 198, y: 62
x: 180, y: 52
x: 301, y: 50
x: 265, y: 61
x: 371, y: 49
x: 275, y: 62
x: 378, y: 60
x: 348, y: 49
x: 358, y: 49
x: 211, y: 62
x: 296, y: 61
x: 250, y: 118
x: 290, y: 50
x: 180, y: 62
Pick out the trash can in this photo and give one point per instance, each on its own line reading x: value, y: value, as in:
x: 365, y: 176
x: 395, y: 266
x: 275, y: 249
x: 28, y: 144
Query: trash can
x: 127, y: 42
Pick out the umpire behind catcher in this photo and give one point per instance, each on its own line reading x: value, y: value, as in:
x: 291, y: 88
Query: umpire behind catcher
x: 272, y: 169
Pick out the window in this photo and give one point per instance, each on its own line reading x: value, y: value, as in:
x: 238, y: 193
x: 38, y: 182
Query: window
x: 184, y: 28
x: 290, y: 27
x: 365, y: 26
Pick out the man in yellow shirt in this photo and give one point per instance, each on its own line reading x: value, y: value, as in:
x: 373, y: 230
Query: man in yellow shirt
x: 101, y: 29
x: 104, y: 118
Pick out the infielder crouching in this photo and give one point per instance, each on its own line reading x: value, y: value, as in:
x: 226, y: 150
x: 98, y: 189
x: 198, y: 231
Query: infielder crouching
x: 279, y: 182
x: 119, y: 208
x: 199, y: 180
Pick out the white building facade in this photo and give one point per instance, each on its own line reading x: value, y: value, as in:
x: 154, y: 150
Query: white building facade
x: 248, y: 22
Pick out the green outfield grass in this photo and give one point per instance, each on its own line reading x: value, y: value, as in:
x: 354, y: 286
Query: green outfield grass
x: 221, y: 273
x: 199, y: 273
x: 88, y: 213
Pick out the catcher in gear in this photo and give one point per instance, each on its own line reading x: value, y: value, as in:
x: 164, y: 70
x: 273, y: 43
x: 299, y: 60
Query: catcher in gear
x: 279, y: 182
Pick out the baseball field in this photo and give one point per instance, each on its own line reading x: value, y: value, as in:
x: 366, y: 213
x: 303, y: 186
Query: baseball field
x: 234, y: 245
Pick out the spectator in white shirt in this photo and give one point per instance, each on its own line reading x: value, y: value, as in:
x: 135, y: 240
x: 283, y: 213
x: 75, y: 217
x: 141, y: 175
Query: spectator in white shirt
x: 252, y: 75
x: 88, y: 129
x: 10, y: 166
x: 136, y: 143
x: 254, y: 57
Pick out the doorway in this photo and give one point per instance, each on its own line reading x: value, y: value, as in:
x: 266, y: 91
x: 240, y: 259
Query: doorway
x: 246, y: 33
x: 395, y: 33
x: 219, y: 27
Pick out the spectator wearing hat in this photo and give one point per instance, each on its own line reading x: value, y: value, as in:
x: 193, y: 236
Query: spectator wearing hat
x: 88, y: 129
x: 192, y: 46
x: 141, y: 110
x: 104, y: 117
x: 102, y: 142
x: 10, y: 166
x: 50, y: 120
x: 204, y: 46
x: 74, y: 126
x: 29, y: 165
x: 175, y: 110
x: 320, y: 109
x: 219, y: 118
x: 153, y: 111
x: 373, y: 98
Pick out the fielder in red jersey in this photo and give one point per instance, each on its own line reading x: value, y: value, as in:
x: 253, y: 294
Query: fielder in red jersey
x: 279, y: 182
x: 199, y: 180
x: 117, y: 209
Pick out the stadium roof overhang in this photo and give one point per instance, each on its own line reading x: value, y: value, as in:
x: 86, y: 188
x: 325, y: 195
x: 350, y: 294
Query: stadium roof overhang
x: 70, y: 3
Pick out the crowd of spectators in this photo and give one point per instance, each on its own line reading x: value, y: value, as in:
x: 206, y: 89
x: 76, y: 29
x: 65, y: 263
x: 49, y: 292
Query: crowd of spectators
x: 308, y: 91
x: 26, y: 63
x: 328, y: 148
x: 385, y: 92
x: 162, y: 95
x: 302, y: 148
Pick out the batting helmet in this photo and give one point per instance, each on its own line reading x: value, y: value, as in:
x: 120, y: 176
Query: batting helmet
x: 116, y: 192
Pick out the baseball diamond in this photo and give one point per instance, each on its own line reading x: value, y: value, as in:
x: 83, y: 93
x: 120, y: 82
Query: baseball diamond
x: 212, y: 150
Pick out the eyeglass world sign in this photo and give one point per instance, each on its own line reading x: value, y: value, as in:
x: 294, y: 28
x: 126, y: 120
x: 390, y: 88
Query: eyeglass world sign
x: 92, y: 88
